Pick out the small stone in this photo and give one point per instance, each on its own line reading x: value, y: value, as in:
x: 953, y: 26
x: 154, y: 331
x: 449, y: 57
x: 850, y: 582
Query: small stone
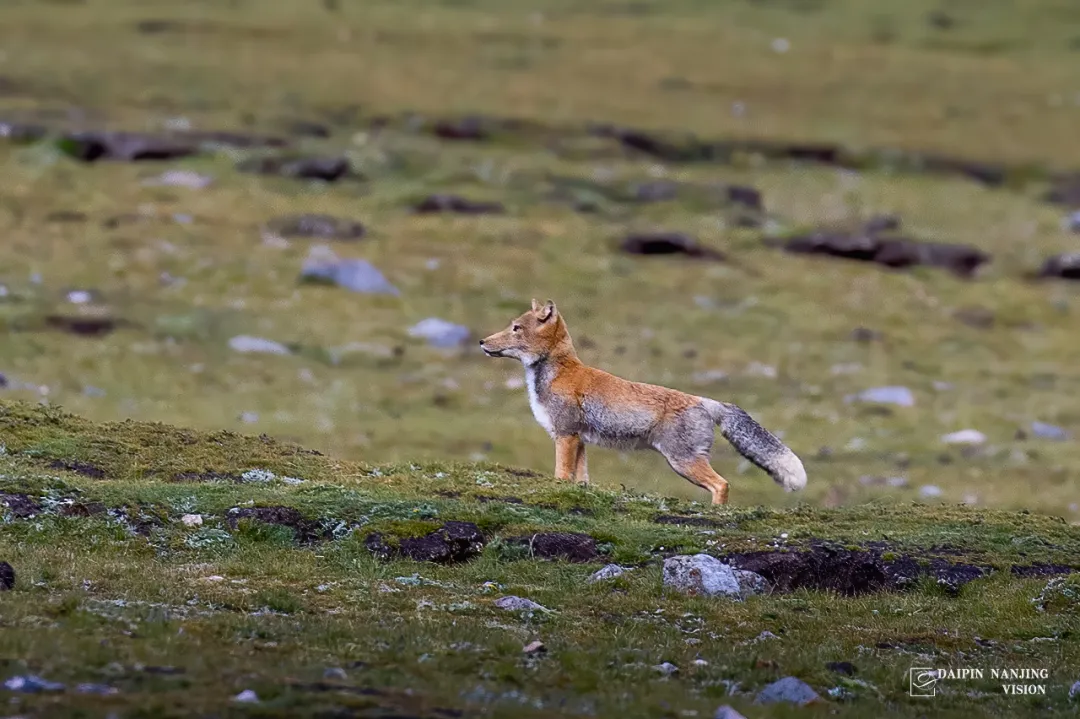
x: 901, y: 396
x: 335, y: 673
x: 727, y: 712
x: 519, y: 604
x: 103, y: 690
x: 325, y: 267
x: 1074, y: 692
x: 780, y: 45
x: 965, y: 436
x: 32, y: 684
x: 7, y: 577
x: 215, y: 578
x: 536, y: 647
x: 700, y: 574
x: 192, y: 520
x: 180, y: 178
x: 247, y: 343
x: 440, y: 333
x: 246, y: 696
x: 929, y: 491
x: 609, y: 571
x: 1049, y: 431
x: 249, y: 417
x: 667, y: 668
x: 789, y: 690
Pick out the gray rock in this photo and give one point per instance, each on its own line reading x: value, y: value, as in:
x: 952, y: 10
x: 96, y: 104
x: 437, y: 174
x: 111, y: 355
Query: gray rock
x: 248, y: 343
x: 440, y: 333
x: 335, y: 673
x: 325, y: 267
x: 667, y: 668
x: 32, y: 684
x: 103, y: 690
x: 727, y: 712
x: 751, y: 583
x: 609, y: 571
x: 929, y: 490
x: 1049, y: 431
x: 1074, y: 692
x: 700, y: 574
x: 519, y: 604
x: 246, y: 696
x: 789, y: 690
x: 897, y: 395
x: 180, y: 178
x: 965, y: 436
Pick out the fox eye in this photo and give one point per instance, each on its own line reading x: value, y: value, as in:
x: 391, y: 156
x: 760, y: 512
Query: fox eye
x: 516, y: 328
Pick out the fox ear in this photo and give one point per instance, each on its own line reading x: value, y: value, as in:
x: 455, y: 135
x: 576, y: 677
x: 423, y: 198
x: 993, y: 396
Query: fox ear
x: 535, y: 305
x: 543, y: 314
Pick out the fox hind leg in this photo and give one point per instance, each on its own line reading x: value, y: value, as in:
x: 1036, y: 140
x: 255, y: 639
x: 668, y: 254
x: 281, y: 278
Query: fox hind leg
x: 686, y: 446
x: 700, y: 472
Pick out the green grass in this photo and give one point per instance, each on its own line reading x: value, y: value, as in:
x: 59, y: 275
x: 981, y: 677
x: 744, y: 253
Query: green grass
x: 106, y: 598
x: 397, y: 425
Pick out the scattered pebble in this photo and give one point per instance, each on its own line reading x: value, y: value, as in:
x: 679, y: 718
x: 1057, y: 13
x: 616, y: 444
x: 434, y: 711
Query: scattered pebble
x: 180, y: 178
x: 98, y: 689
x: 788, y: 690
x: 897, y: 395
x: 324, y: 266
x: 249, y: 417
x: 80, y: 297
x: 965, y: 436
x: 517, y: 604
x: 667, y: 668
x: 192, y: 520
x: 32, y: 684
x: 1049, y: 431
x: 441, y: 333
x: 1074, y: 692
x: 929, y: 490
x: 247, y: 343
x: 535, y: 647
x: 780, y: 45
x: 727, y: 712
x: 246, y: 696
x: 609, y: 571
x: 335, y: 673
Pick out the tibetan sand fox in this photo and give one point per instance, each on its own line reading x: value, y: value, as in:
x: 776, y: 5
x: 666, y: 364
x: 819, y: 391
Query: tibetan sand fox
x: 580, y: 405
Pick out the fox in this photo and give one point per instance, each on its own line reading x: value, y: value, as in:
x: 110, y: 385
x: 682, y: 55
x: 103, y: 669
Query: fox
x: 579, y: 405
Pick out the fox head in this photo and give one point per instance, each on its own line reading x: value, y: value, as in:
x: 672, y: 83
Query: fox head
x: 531, y: 337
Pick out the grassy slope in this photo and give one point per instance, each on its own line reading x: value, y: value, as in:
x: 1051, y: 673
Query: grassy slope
x: 108, y: 597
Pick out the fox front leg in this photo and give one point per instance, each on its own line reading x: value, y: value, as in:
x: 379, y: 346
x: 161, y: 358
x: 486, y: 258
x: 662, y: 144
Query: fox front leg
x: 581, y: 467
x: 566, y: 454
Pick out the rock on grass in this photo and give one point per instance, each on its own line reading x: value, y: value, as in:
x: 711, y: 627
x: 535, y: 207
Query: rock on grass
x: 441, y: 333
x: 519, y: 604
x: 702, y: 574
x: 258, y: 345
x: 323, y: 266
x: 788, y: 690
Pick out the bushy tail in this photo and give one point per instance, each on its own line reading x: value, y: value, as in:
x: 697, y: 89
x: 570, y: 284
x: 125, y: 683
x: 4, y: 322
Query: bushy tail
x: 758, y: 444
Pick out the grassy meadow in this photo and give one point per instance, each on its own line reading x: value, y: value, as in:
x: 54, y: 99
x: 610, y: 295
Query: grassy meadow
x: 170, y: 271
